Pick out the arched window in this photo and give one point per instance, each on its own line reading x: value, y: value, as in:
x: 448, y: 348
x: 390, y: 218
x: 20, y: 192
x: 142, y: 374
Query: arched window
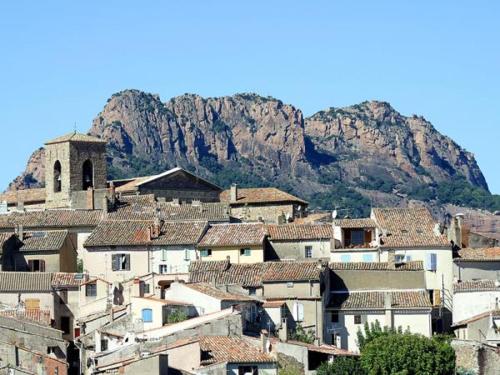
x: 147, y: 315
x: 87, y: 175
x: 57, y: 176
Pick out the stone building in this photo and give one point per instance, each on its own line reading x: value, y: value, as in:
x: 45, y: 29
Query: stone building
x: 76, y: 173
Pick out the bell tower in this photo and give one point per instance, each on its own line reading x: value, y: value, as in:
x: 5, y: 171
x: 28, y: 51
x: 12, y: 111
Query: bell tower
x: 75, y: 167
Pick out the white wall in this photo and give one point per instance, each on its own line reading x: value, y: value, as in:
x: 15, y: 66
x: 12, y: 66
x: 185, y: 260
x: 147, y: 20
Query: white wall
x: 176, y: 258
x: 203, y: 303
x: 469, y: 304
x: 355, y: 255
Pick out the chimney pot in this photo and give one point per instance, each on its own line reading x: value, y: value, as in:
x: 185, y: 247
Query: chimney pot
x: 234, y: 193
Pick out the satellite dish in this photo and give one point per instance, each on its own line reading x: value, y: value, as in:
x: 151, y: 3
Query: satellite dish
x: 334, y: 214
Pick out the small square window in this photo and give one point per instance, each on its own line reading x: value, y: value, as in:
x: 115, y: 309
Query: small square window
x: 91, y: 290
x: 163, y: 269
x: 245, y: 252
x: 357, y: 319
x: 335, y: 317
x: 206, y: 252
x: 146, y: 288
x: 252, y: 291
x: 308, y: 252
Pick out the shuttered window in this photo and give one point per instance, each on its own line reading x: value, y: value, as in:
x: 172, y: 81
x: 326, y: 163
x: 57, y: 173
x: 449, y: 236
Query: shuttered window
x: 298, y: 312
x: 32, y: 303
x: 91, y: 290
x: 120, y: 262
x: 431, y: 262
x: 36, y: 265
x: 147, y: 315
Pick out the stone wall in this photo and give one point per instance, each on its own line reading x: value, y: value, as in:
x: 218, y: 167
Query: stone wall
x: 478, y: 358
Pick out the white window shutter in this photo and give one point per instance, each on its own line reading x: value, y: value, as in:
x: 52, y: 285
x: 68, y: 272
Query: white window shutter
x: 295, y: 311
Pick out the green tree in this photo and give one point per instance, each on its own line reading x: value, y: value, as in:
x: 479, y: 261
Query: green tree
x: 408, y: 354
x: 176, y: 316
x: 342, y: 366
x: 373, y: 331
x: 300, y: 334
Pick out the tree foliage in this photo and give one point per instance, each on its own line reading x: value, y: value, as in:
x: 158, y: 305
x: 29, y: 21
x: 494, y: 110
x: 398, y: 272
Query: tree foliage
x: 373, y: 331
x: 341, y: 366
x: 300, y: 334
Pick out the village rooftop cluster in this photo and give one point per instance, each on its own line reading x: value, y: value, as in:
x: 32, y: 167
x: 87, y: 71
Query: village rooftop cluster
x: 171, y: 273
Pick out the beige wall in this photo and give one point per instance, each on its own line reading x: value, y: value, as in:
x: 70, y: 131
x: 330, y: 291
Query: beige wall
x: 186, y: 357
x: 268, y: 213
x: 98, y: 263
x: 297, y: 249
x: 222, y: 253
x: 92, y: 305
x: 46, y: 300
x: 138, y: 304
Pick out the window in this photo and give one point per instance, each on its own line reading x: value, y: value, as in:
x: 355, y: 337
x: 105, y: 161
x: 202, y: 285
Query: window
x: 298, y: 312
x: 147, y: 315
x: 357, y: 237
x: 186, y: 255
x: 252, y: 291
x: 65, y: 324
x: 367, y: 257
x: 146, y: 288
x: 164, y: 255
x: 357, y: 319
x: 91, y: 290
x: 289, y: 284
x: 408, y: 258
x: 399, y: 258
x: 36, y: 265
x: 32, y: 303
x: 431, y: 262
x: 121, y: 262
x: 87, y: 175
x: 308, y: 252
x: 104, y: 345
x: 248, y: 370
x: 57, y: 176
x: 163, y: 269
x: 245, y: 252
x: 206, y: 252
x: 345, y: 258
x: 335, y: 316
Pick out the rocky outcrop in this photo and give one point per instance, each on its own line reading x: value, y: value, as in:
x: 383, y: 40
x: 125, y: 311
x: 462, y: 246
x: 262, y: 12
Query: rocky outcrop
x: 34, y: 174
x: 369, y: 146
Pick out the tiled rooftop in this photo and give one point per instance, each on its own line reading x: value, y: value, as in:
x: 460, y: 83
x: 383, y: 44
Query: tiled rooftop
x: 416, y: 265
x: 479, y: 255
x: 234, y: 235
x: 67, y: 279
x: 476, y: 286
x: 223, y: 349
x: 260, y: 195
x: 252, y: 275
x: 25, y: 281
x: 28, y: 196
x: 75, y: 137
x: 408, y: 227
x: 212, y: 291
x: 355, y: 223
x: 31, y: 315
x: 291, y: 232
x: 137, y: 233
x: 44, y: 241
x: 51, y: 219
x: 376, y: 300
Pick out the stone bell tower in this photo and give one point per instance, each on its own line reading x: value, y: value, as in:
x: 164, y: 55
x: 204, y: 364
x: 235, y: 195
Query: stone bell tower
x: 75, y: 169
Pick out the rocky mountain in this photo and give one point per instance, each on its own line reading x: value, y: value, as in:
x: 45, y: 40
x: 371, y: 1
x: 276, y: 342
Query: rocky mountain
x: 335, y: 157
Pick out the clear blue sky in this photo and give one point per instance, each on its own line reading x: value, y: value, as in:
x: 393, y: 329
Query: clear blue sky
x: 60, y: 61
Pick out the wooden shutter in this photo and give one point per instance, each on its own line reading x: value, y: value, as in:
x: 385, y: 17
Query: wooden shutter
x: 32, y: 303
x: 30, y: 265
x: 127, y: 262
x: 42, y: 265
x: 115, y: 262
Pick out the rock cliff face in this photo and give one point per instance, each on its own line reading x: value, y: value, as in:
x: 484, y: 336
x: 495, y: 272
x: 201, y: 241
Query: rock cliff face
x: 251, y: 139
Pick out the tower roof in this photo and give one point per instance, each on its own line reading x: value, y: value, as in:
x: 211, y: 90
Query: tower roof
x: 75, y: 137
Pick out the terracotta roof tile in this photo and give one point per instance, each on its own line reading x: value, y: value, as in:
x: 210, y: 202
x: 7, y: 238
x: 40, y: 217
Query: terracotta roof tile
x: 416, y: 265
x: 486, y: 314
x: 137, y: 233
x: 231, y: 349
x: 25, y: 281
x: 247, y: 234
x: 376, y: 300
x: 479, y: 255
x: 273, y: 304
x: 27, y: 196
x: 212, y: 291
x: 51, y: 218
x: 76, y: 137
x: 291, y: 232
x: 408, y: 227
x: 252, y: 275
x: 355, y: 223
x: 31, y: 315
x: 314, y: 218
x: 475, y: 286
x: 43, y: 241
x: 67, y: 279
x: 260, y: 195
x: 324, y: 348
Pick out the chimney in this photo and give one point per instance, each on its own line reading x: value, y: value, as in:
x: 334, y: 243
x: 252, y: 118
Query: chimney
x: 391, y: 260
x: 264, y: 341
x: 155, y: 228
x: 455, y: 232
x: 20, y: 231
x: 104, y: 204
x: 234, y: 193
x: 175, y: 202
x: 20, y: 206
x: 196, y: 202
x: 388, y: 309
x: 112, y: 193
x: 283, y: 331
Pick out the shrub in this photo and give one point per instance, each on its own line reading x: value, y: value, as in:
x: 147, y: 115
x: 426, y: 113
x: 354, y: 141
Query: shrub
x: 300, y: 334
x: 342, y: 366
